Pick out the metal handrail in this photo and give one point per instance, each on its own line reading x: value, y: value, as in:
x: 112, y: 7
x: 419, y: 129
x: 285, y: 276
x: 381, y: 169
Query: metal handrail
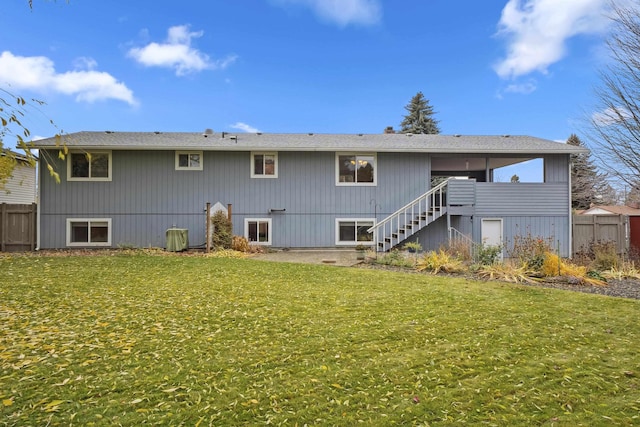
x: 408, y: 214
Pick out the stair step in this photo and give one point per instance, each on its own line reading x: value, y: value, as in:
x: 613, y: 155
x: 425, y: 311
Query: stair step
x: 387, y: 239
x: 401, y: 230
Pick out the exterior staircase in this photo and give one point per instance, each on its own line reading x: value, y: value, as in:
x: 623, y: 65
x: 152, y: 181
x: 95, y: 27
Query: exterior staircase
x: 410, y: 218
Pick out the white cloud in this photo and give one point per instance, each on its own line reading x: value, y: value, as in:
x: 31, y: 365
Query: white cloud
x: 177, y: 53
x: 244, y: 127
x: 537, y: 31
x: 343, y: 12
x: 523, y: 88
x: 611, y: 116
x: 37, y: 73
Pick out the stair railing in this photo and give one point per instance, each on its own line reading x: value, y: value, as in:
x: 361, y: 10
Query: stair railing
x: 410, y: 218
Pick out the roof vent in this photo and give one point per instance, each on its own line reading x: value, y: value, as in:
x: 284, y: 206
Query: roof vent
x: 310, y: 133
x: 234, y: 137
x: 108, y: 131
x: 457, y: 135
x: 409, y: 134
x: 207, y: 132
x: 506, y: 136
x: 157, y: 132
x: 258, y: 133
x: 359, y: 134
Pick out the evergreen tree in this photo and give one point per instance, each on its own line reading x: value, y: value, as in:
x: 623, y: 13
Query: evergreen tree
x: 587, y: 184
x: 420, y: 117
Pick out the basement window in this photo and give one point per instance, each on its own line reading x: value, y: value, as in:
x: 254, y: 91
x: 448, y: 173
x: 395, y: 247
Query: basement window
x: 258, y: 230
x: 353, y: 231
x: 89, y: 232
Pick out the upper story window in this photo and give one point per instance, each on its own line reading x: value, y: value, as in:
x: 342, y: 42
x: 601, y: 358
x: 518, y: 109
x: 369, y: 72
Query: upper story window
x: 264, y: 165
x: 189, y: 160
x: 89, y: 166
x: 356, y: 169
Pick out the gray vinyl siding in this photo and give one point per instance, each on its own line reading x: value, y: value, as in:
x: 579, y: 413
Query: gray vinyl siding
x: 556, y: 168
x: 531, y: 199
x: 535, y: 209
x: 147, y: 195
x: 550, y: 228
x: 461, y: 192
x: 554, y: 229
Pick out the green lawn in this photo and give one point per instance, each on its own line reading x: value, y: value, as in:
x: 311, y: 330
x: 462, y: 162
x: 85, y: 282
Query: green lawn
x: 132, y: 339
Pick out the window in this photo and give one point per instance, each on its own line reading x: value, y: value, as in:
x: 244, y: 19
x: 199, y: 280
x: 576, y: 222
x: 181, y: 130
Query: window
x: 188, y: 160
x: 350, y: 231
x: 264, y: 165
x: 89, y: 166
x: 258, y: 231
x: 356, y: 169
x: 89, y: 232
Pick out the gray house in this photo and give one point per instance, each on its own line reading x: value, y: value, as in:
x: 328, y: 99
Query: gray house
x: 300, y: 190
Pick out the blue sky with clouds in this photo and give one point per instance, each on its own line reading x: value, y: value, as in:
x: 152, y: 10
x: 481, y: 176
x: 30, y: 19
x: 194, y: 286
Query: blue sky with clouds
x: 326, y: 66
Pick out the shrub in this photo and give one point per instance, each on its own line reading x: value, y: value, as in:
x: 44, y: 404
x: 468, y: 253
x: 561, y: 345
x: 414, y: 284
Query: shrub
x: 625, y: 270
x: 460, y: 249
x: 530, y: 251
x: 440, y: 261
x: 413, y: 247
x: 554, y: 266
x: 605, y: 256
x: 222, y: 234
x: 395, y: 258
x: 488, y: 254
x: 507, y: 272
x: 240, y: 244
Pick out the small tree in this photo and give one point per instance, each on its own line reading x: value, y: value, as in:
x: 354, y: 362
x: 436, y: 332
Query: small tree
x: 515, y: 178
x: 420, y: 117
x: 222, y: 236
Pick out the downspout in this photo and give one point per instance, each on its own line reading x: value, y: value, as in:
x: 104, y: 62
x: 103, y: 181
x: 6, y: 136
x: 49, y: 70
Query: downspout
x: 39, y: 203
x: 570, y: 213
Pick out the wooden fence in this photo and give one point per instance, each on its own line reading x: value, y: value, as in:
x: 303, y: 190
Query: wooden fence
x: 600, y: 228
x: 18, y: 227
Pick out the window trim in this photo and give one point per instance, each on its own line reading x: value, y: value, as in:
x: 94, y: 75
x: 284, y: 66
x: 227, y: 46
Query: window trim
x: 357, y: 184
x: 263, y: 175
x: 188, y: 168
x: 70, y: 221
x: 353, y: 242
x: 269, y: 230
x: 89, y: 178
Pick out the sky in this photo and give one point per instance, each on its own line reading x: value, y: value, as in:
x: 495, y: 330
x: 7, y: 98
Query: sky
x: 489, y: 67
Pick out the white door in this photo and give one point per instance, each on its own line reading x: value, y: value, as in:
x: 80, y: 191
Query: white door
x: 491, y: 230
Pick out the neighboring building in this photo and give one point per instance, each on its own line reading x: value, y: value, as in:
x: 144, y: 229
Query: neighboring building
x: 610, y: 210
x: 630, y: 222
x: 300, y: 190
x: 20, y: 188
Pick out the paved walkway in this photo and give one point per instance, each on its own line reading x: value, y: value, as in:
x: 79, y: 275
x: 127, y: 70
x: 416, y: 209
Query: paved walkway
x: 342, y: 257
